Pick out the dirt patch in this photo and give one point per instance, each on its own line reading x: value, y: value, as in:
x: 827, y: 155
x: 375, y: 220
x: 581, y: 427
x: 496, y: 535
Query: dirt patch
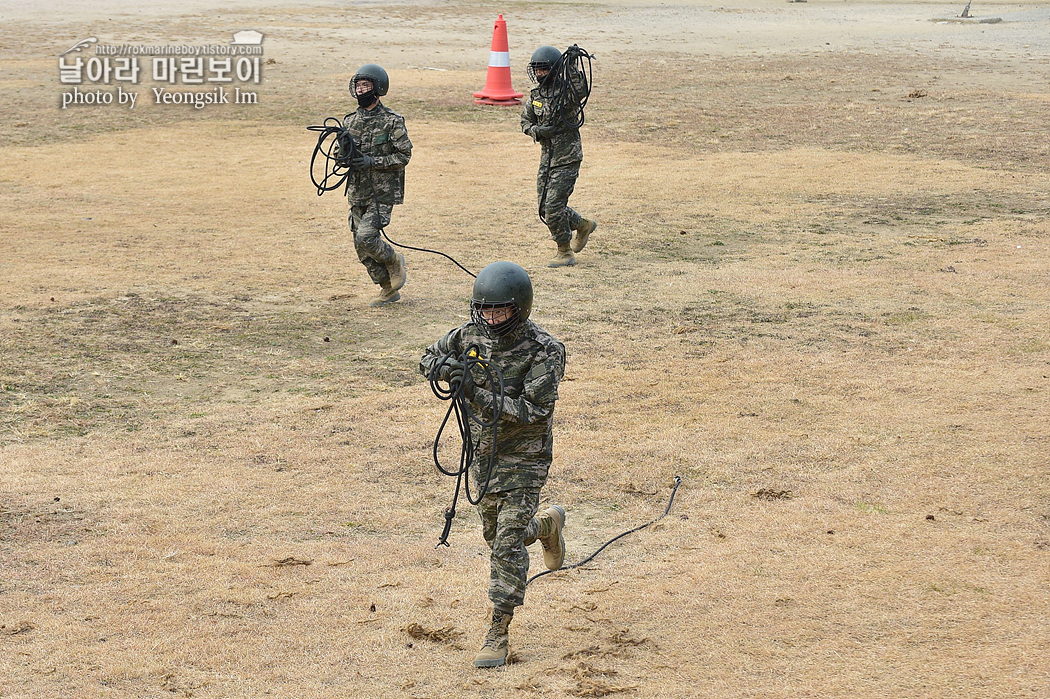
x: 816, y: 293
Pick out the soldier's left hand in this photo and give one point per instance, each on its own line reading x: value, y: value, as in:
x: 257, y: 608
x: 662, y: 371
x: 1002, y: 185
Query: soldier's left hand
x: 363, y: 162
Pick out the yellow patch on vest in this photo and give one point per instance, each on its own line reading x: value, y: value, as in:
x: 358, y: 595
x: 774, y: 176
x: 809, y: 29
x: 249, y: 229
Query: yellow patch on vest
x: 539, y: 105
x: 473, y: 354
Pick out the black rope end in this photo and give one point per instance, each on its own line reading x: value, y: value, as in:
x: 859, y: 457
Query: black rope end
x: 450, y: 514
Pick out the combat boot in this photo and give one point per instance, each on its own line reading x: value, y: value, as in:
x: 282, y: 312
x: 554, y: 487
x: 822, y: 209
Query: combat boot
x: 387, y: 294
x: 583, y: 232
x: 552, y: 522
x: 494, y: 651
x: 397, y: 272
x: 565, y: 258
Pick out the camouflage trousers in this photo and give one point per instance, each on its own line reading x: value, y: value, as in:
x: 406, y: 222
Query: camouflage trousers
x: 508, y: 524
x: 374, y: 252
x: 554, y: 186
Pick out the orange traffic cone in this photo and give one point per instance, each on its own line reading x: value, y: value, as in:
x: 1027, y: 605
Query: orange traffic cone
x: 498, y: 89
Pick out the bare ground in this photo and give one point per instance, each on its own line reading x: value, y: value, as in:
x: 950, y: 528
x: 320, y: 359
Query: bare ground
x: 817, y: 293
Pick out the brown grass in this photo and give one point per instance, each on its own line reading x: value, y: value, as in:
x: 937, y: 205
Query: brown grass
x: 818, y: 297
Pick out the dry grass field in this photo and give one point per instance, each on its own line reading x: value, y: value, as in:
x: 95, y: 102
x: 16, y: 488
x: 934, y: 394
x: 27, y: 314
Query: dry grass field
x: 818, y: 293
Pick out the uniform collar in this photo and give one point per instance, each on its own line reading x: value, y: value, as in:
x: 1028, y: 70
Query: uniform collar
x: 513, y: 337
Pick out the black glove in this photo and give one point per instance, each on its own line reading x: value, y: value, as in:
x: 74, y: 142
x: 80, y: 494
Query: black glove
x: 456, y: 374
x: 341, y: 154
x: 543, y: 131
x: 363, y: 162
x: 468, y: 387
x: 448, y: 368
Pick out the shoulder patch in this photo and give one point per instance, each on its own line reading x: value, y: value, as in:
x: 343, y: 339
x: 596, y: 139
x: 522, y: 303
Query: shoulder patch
x: 537, y: 104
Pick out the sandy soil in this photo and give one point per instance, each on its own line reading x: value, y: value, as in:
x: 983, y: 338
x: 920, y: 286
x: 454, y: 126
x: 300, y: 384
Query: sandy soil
x: 817, y: 293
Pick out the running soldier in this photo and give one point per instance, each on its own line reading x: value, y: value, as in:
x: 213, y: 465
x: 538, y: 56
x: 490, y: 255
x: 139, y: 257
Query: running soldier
x: 532, y: 363
x: 550, y: 117
x: 377, y: 179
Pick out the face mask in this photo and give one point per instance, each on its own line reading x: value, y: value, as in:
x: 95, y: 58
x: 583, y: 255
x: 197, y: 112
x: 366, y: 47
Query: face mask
x: 496, y: 330
x: 367, y: 99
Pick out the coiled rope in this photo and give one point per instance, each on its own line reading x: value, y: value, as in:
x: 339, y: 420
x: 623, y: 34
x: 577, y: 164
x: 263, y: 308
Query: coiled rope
x: 459, y: 405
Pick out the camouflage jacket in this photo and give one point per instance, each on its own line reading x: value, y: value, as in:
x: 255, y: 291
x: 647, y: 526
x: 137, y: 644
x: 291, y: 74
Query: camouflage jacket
x: 564, y: 146
x: 381, y: 133
x: 532, y: 363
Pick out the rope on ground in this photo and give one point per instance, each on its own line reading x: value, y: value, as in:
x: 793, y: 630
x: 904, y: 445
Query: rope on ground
x: 677, y: 482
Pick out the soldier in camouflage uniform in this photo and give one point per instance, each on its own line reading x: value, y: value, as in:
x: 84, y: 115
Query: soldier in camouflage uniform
x: 560, y: 155
x: 532, y: 362
x: 377, y: 179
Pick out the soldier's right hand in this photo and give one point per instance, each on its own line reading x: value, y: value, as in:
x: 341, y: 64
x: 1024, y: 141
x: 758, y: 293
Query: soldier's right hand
x: 543, y: 131
x: 450, y: 366
x: 337, y: 155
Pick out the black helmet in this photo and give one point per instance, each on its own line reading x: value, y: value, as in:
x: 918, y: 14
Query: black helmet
x: 501, y: 285
x: 376, y: 74
x: 543, y: 58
